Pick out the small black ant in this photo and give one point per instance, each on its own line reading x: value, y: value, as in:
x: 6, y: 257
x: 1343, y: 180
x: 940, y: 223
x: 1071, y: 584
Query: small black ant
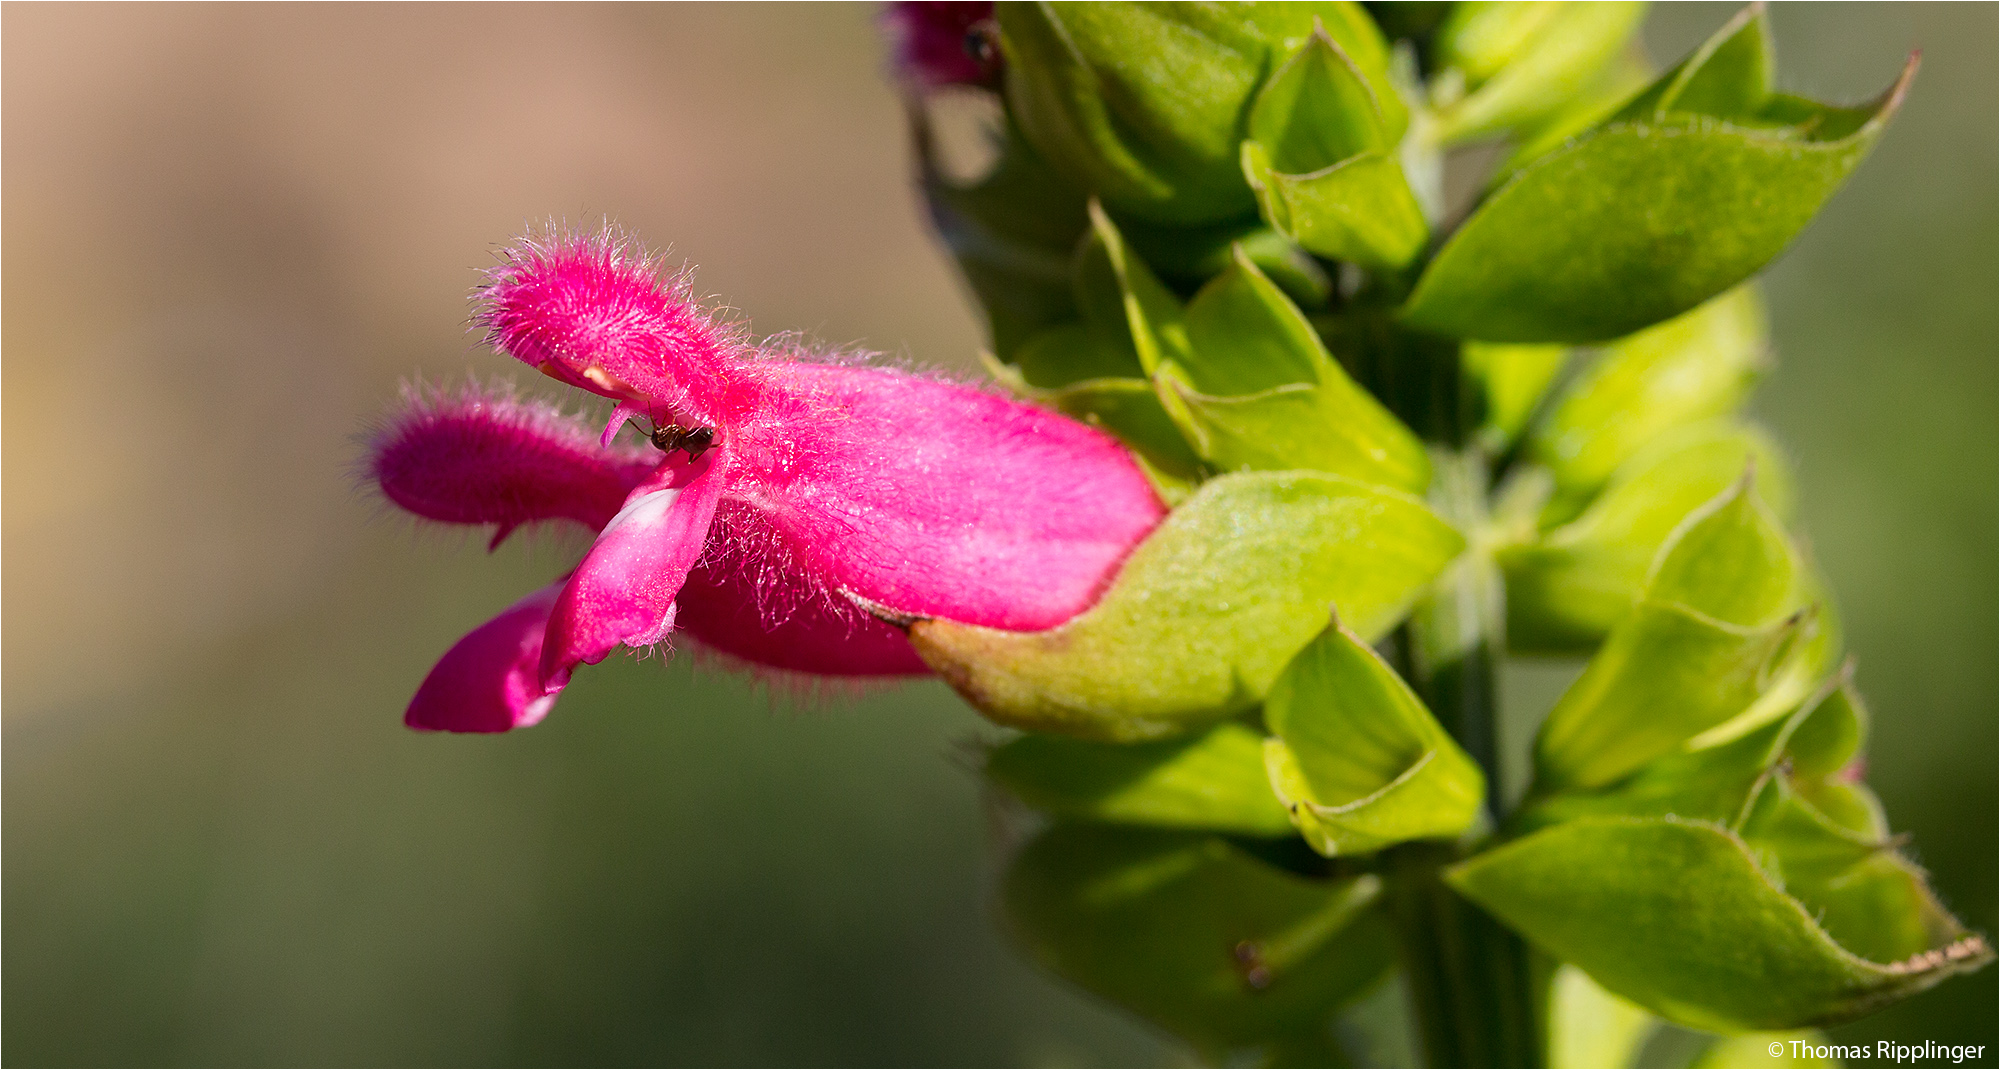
x: 695, y: 441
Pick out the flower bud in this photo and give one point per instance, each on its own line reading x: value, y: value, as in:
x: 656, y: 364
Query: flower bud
x: 1145, y: 104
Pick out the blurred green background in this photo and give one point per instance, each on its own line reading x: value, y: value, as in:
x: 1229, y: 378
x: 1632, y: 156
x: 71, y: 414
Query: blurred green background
x: 229, y: 230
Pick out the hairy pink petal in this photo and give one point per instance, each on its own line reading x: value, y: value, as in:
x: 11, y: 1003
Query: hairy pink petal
x: 623, y: 591
x: 482, y: 456
x: 593, y: 312
x: 930, y: 38
x: 491, y: 680
x: 941, y: 499
x: 750, y: 604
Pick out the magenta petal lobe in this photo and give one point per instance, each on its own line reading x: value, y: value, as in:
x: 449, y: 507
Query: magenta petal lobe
x: 491, y: 680
x: 623, y: 592
x: 592, y: 310
x: 481, y: 455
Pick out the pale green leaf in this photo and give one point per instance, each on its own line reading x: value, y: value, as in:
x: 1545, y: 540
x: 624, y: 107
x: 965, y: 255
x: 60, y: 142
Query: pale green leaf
x: 1214, y: 780
x: 1691, y: 368
x: 1567, y: 588
x: 1589, y: 1027
x: 1238, y: 958
x: 1527, y: 66
x: 1664, y: 676
x: 1360, y: 209
x: 1680, y: 918
x: 1357, y: 757
x: 1638, y: 221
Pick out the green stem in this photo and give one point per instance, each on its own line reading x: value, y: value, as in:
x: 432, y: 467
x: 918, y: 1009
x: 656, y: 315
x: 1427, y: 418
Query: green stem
x: 1457, y: 634
x: 1473, y: 985
x: 1473, y: 982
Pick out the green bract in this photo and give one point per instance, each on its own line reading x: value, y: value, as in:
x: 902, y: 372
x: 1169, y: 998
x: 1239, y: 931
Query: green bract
x: 1780, y: 796
x: 1679, y: 917
x: 1241, y: 959
x: 1357, y: 758
x: 1520, y: 62
x: 1696, y: 366
x: 1186, y: 257
x: 1256, y: 388
x: 1234, y: 379
x: 1214, y: 780
x: 1322, y: 159
x: 1569, y: 586
x: 1699, y: 647
x: 1144, y: 103
x: 1651, y: 213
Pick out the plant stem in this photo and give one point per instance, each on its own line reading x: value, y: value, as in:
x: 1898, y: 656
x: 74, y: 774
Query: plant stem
x: 1472, y: 983
x: 1472, y: 980
x: 1457, y: 634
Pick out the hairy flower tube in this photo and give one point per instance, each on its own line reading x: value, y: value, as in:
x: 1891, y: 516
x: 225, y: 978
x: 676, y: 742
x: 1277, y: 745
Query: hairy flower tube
x: 812, y: 484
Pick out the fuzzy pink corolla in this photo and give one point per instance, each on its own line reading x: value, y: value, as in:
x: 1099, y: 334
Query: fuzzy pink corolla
x: 825, y: 483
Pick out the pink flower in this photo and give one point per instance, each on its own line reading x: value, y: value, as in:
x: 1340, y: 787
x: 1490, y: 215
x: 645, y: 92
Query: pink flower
x: 820, y: 483
x: 939, y: 42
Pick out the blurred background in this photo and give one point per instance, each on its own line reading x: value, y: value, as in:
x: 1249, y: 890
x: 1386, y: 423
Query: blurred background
x: 230, y: 231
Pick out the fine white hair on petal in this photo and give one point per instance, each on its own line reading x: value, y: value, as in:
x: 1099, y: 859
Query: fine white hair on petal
x: 625, y: 254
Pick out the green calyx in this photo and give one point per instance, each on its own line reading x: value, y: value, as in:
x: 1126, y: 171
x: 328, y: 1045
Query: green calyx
x: 1207, y: 611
